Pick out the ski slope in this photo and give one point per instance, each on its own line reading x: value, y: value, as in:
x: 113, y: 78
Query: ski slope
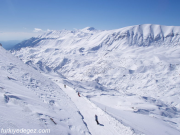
x: 107, y: 126
x: 117, y: 120
x: 29, y: 100
x: 148, y: 125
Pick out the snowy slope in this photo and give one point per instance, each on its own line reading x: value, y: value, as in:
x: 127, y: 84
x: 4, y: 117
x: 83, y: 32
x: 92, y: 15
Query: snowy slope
x: 28, y: 100
x: 120, y: 114
x: 133, y: 69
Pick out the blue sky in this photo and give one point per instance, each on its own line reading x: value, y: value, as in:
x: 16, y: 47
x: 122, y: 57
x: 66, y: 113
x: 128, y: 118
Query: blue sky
x: 22, y: 19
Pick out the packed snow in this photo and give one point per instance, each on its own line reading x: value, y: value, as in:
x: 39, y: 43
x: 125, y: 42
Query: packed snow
x: 129, y: 77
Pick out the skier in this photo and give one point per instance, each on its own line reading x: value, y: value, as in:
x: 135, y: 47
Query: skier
x: 96, y: 119
x: 64, y: 86
x: 78, y: 94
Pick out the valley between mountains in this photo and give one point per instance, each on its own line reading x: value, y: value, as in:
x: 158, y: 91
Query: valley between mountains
x: 128, y: 77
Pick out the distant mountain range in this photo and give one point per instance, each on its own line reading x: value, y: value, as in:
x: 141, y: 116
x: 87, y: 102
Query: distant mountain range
x: 138, y: 35
x: 137, y: 59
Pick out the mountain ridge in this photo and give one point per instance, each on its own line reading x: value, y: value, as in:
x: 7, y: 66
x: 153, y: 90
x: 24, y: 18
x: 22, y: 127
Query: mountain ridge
x: 139, y: 35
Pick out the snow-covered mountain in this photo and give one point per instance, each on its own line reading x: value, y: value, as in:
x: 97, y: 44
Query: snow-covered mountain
x: 31, y: 101
x: 135, y: 68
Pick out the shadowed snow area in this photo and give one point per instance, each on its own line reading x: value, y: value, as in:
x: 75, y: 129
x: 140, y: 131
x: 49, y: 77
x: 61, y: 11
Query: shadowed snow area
x: 130, y: 75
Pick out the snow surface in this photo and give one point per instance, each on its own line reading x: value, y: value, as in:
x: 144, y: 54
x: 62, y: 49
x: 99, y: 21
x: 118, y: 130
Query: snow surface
x: 130, y: 75
x: 28, y: 100
x: 107, y: 126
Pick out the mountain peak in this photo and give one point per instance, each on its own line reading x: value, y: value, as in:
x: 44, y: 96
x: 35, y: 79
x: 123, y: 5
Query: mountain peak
x: 89, y: 29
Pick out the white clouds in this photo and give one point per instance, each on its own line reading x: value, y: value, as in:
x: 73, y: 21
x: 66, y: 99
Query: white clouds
x: 40, y: 30
x: 37, y: 30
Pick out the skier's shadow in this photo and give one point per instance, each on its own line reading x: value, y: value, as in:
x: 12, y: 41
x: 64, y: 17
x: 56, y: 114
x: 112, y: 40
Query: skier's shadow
x: 101, y: 124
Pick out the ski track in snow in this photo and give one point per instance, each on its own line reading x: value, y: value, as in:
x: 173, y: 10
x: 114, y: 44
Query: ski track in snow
x: 108, y: 125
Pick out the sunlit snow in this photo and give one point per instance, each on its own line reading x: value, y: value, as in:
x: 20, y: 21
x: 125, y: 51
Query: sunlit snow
x: 129, y: 77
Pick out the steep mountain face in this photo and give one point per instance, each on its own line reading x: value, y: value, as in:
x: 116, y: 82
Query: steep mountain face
x: 141, y: 59
x: 29, y: 100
